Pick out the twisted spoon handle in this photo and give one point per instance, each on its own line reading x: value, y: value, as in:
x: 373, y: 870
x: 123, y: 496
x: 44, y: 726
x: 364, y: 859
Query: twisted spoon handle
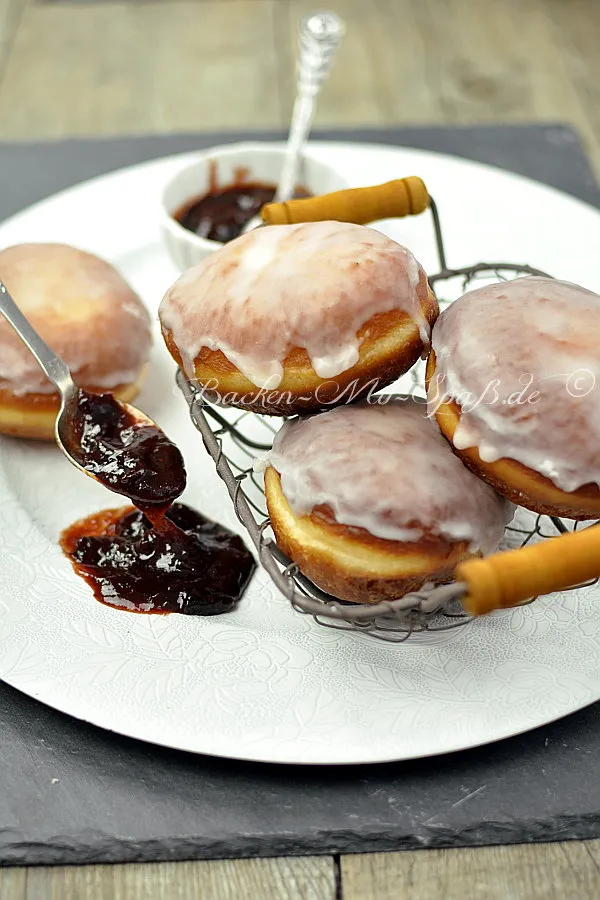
x: 53, y: 366
x: 320, y: 36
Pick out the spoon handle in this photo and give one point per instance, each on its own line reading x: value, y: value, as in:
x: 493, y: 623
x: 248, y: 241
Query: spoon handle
x: 53, y: 366
x: 320, y: 35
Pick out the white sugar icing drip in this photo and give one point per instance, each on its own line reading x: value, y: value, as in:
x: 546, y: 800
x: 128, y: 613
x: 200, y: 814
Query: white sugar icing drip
x: 387, y: 469
x: 311, y: 286
x: 522, y: 360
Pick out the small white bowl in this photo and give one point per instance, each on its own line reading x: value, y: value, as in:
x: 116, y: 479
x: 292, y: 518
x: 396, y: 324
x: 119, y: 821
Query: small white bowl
x: 254, y: 162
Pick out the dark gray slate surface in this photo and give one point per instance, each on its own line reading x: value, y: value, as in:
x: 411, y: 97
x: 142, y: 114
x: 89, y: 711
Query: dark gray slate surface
x: 70, y: 793
x: 549, y: 153
x: 117, y: 799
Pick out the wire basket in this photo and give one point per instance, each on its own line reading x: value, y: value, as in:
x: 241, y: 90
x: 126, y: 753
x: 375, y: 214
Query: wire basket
x: 235, y: 439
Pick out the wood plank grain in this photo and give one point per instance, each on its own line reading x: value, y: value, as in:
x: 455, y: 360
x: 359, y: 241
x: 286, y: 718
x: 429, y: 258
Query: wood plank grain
x: 501, y: 65
x: 10, y: 13
x: 576, y: 31
x: 308, y: 878
x: 13, y: 884
x: 524, y: 872
x: 113, y: 68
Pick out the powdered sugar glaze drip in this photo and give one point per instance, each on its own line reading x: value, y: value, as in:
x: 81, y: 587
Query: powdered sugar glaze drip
x: 521, y: 359
x: 311, y: 286
x: 160, y: 557
x: 386, y: 469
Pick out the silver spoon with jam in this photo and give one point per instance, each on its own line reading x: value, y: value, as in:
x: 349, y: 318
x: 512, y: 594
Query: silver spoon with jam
x: 111, y: 441
x: 161, y: 557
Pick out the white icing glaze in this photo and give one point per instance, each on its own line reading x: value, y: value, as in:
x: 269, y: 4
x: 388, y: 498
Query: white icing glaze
x: 522, y: 360
x: 83, y: 309
x: 311, y: 286
x: 387, y: 469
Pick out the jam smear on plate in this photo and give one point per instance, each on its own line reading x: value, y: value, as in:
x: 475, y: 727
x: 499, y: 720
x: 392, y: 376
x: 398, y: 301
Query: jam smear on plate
x: 159, y: 557
x: 187, y: 564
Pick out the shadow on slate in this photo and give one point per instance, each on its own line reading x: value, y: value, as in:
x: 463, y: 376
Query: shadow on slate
x: 71, y: 793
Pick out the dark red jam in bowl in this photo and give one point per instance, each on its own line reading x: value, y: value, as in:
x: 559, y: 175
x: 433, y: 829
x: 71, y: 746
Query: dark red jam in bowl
x: 221, y: 214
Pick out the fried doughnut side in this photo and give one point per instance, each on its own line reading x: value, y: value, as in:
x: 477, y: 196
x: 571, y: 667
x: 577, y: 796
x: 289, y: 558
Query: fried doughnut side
x: 515, y: 481
x: 86, y: 312
x: 294, y: 318
x: 371, y: 502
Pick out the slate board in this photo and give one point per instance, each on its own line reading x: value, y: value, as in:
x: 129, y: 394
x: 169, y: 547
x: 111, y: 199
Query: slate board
x: 71, y: 793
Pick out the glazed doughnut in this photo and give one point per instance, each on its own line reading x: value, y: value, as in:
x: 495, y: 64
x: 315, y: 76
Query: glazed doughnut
x: 371, y: 503
x: 296, y: 317
x: 513, y: 380
x: 87, y: 313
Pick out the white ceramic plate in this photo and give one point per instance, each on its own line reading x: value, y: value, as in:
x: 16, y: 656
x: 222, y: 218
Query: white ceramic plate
x: 265, y: 683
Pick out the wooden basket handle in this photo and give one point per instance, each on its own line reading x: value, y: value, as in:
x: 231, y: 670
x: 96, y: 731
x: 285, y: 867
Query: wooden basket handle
x: 511, y: 577
x: 394, y: 199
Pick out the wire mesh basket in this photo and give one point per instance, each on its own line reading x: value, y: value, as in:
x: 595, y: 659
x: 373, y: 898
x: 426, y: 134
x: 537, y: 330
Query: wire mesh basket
x: 235, y: 439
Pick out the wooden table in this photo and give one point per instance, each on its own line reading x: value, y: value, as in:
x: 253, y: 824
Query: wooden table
x: 527, y: 872
x: 150, y: 66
